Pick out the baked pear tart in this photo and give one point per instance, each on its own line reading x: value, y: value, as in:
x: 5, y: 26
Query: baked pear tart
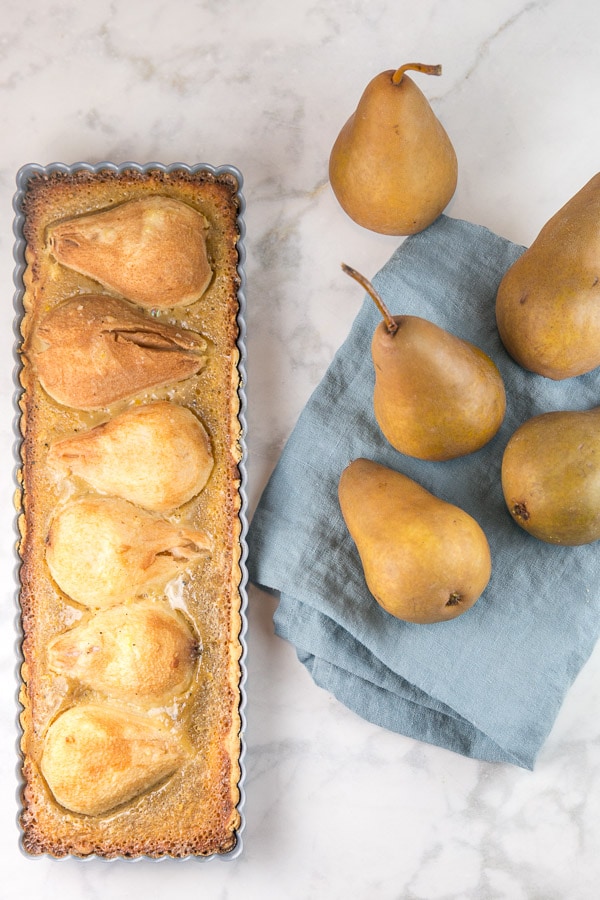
x: 131, y: 510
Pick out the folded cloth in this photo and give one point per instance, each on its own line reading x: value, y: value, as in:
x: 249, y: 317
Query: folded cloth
x: 489, y: 683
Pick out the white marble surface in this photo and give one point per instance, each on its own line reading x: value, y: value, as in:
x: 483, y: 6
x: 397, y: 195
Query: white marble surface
x: 335, y: 807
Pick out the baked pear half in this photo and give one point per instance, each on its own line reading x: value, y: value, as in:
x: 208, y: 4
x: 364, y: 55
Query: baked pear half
x: 151, y: 250
x: 93, y: 350
x: 144, y: 653
x: 97, y: 757
x: 103, y: 551
x: 157, y: 456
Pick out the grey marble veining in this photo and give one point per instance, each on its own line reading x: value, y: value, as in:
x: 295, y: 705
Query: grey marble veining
x: 335, y: 807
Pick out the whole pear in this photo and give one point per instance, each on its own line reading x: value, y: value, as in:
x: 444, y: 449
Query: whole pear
x: 436, y: 395
x: 548, y: 303
x: 392, y: 167
x: 424, y: 560
x: 551, y: 476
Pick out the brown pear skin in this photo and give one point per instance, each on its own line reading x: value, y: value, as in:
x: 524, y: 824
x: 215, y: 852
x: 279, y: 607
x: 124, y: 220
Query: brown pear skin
x: 424, y: 560
x: 436, y: 396
x: 548, y: 302
x: 551, y: 476
x: 392, y: 167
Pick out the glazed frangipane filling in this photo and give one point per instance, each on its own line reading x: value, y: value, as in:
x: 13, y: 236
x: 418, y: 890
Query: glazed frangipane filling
x: 93, y: 350
x: 97, y: 757
x: 151, y: 251
x: 145, y: 653
x: 156, y: 456
x: 102, y: 551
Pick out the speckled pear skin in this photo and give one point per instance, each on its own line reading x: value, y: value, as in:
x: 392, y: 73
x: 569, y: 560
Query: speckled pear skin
x: 392, y: 167
x: 424, y: 560
x: 150, y: 250
x: 551, y: 476
x: 548, y: 302
x: 436, y: 396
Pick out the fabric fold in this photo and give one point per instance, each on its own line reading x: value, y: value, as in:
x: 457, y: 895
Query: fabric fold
x: 488, y: 684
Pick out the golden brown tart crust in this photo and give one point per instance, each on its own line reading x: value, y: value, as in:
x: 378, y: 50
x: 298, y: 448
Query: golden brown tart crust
x: 193, y: 809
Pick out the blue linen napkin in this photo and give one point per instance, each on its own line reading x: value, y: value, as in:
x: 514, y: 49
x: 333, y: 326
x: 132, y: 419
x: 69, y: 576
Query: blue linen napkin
x: 489, y: 683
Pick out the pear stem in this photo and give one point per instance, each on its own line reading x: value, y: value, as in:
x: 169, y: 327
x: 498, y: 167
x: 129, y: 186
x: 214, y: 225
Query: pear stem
x: 417, y: 67
x: 390, y: 323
